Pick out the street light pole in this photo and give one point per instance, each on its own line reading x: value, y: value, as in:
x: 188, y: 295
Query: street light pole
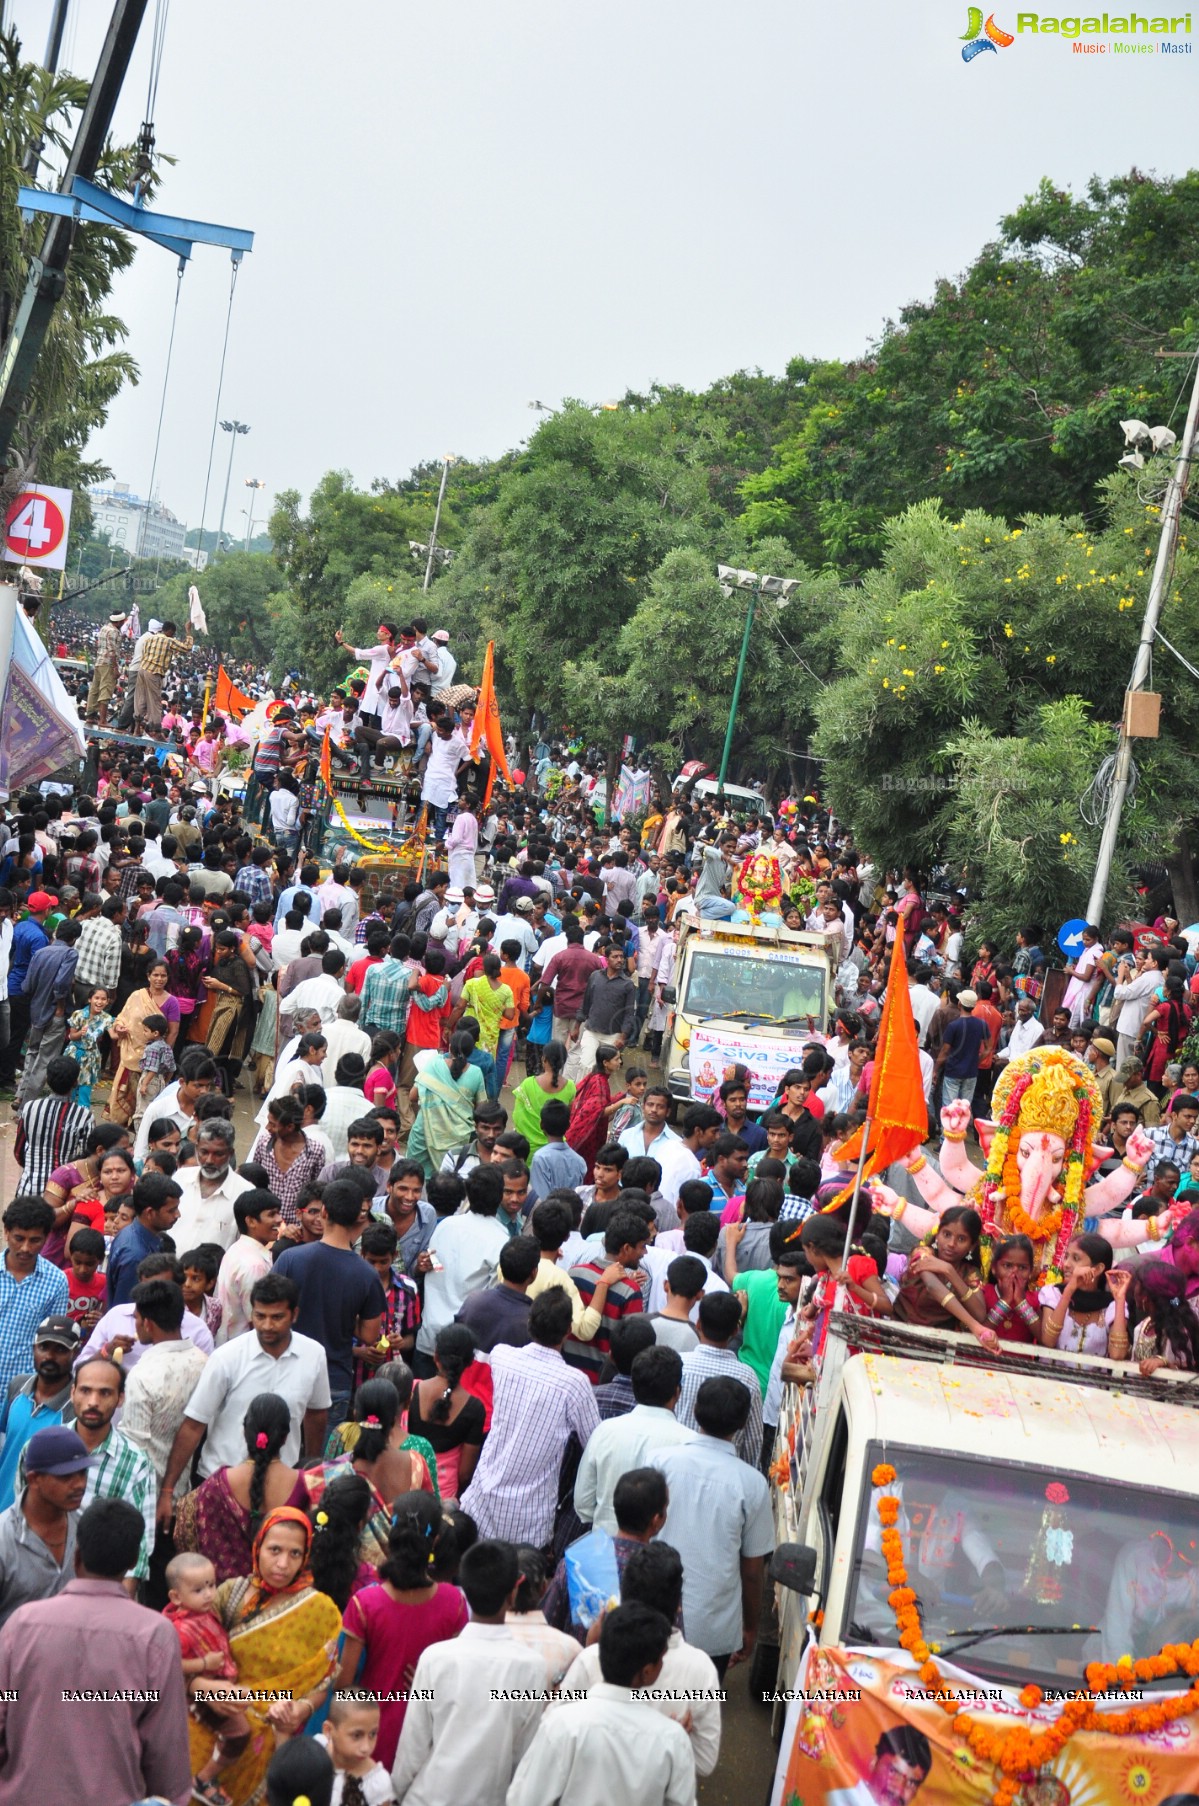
x: 445, y: 471
x: 1162, y: 567
x: 233, y: 428
x: 253, y: 484
x: 731, y: 580
x: 728, y: 732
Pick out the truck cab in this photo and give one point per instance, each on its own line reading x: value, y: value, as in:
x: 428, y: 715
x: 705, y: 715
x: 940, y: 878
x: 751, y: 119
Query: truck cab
x: 1049, y: 1505
x: 745, y: 990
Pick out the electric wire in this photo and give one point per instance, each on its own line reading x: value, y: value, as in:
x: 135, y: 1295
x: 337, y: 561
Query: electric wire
x: 216, y: 412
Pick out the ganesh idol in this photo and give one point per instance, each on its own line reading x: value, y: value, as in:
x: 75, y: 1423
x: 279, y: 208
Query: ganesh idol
x: 1041, y: 1153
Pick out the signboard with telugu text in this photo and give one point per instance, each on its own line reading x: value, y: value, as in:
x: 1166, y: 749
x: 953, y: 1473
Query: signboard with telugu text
x: 767, y: 1058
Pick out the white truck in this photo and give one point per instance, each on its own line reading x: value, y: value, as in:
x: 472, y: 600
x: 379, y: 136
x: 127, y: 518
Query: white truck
x: 1011, y: 1588
x: 753, y: 992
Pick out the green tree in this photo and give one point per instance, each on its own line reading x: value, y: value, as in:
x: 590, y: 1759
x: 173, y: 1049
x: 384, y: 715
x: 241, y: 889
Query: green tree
x: 80, y: 370
x: 1003, y: 390
x: 345, y: 534
x: 970, y: 628
x: 242, y: 601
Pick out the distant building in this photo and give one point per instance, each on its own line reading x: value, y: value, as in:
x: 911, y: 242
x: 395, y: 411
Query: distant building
x: 140, y: 528
x: 195, y: 557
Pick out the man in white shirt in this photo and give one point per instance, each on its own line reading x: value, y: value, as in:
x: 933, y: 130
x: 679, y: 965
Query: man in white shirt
x: 379, y: 658
x: 343, y: 1036
x: 654, y: 1138
x: 462, y: 1254
x: 209, y: 1189
x: 517, y: 926
x: 1133, y: 998
x: 160, y: 1385
x: 446, y: 751
x: 475, y: 1700
x: 257, y: 1216
x: 688, y: 1688
x: 447, y: 664
x: 925, y: 1003
x: 635, y: 1439
x: 322, y: 993
x: 612, y: 1745
x: 1026, y: 1032
x: 272, y: 1357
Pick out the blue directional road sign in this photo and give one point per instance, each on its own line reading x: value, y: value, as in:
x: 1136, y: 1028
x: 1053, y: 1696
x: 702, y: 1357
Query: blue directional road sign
x: 1069, y: 937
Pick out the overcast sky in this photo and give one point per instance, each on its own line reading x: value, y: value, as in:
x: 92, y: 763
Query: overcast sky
x: 460, y: 209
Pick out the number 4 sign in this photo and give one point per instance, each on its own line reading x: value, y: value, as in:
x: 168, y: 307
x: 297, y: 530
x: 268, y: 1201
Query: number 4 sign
x: 36, y: 528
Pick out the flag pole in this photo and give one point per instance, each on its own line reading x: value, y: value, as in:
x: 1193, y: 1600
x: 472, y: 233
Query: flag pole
x: 857, y: 1189
x: 207, y: 693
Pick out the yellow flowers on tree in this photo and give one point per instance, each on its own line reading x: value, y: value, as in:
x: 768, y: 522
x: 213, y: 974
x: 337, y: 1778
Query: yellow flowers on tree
x: 981, y: 740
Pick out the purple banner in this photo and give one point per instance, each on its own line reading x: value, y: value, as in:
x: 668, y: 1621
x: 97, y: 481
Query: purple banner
x: 35, y: 740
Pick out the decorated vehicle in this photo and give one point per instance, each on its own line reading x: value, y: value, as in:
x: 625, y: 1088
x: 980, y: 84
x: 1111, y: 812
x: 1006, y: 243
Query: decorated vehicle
x: 744, y: 993
x: 987, y: 1577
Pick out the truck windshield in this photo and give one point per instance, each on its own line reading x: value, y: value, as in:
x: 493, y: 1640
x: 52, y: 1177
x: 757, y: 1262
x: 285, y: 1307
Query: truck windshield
x: 734, y: 984
x: 997, y: 1547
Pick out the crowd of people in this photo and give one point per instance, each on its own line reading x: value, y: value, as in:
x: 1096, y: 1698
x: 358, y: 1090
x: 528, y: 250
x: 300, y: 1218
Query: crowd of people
x: 431, y: 1414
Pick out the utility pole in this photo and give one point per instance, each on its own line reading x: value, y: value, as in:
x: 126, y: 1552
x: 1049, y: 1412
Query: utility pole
x: 47, y: 271
x: 1162, y: 568
x: 445, y: 471
x: 737, y: 682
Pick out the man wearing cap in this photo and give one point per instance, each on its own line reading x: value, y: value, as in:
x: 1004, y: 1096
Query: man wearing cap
x: 454, y: 922
x: 37, y: 1533
x: 1100, y: 1054
x: 108, y: 662
x: 28, y: 938
x: 447, y: 664
x: 40, y: 1399
x: 517, y: 927
x: 965, y: 1041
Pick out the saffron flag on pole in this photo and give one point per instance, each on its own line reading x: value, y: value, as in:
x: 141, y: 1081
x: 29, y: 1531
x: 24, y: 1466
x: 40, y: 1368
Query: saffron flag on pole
x: 228, y: 699
x: 326, y: 765
x: 897, y: 1115
x: 487, y: 724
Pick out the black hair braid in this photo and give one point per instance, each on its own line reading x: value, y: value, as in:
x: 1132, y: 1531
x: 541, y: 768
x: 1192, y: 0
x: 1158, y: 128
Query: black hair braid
x: 266, y: 1427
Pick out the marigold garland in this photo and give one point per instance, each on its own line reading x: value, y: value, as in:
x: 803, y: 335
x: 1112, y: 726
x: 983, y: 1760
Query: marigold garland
x: 1015, y: 1751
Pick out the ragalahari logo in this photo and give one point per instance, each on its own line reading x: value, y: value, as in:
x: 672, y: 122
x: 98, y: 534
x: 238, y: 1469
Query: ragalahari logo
x: 979, y: 37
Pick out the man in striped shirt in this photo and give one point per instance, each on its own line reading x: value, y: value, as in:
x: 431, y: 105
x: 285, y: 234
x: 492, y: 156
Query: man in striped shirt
x: 624, y: 1241
x: 719, y: 1321
x: 538, y: 1402
x: 385, y: 992
x: 158, y: 649
x: 253, y: 877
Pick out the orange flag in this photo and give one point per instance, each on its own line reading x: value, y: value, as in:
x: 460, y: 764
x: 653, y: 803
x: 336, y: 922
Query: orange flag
x: 487, y: 724
x: 228, y: 698
x: 897, y: 1113
x: 326, y: 765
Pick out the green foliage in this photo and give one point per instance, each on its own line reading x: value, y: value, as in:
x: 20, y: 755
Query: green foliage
x: 959, y: 642
x: 80, y: 371
x: 1003, y: 389
x: 345, y: 535
x: 241, y: 600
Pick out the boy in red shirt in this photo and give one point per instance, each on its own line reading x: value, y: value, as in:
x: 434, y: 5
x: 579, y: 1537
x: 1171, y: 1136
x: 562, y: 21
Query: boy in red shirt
x: 86, y: 1285
x: 427, y: 1014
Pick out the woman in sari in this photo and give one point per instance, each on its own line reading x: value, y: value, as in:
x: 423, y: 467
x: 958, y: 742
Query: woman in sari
x: 283, y: 1636
x: 77, y: 1181
x: 445, y: 1094
x: 593, y: 1107
x: 1170, y: 1022
x: 221, y: 1517
x: 377, y: 1456
x: 344, y: 1437
x: 154, y: 999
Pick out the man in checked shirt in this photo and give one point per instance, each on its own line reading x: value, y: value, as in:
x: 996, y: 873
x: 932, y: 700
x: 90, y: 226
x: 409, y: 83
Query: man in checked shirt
x: 157, y: 652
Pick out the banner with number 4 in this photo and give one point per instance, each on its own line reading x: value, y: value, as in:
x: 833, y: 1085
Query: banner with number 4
x: 36, y: 528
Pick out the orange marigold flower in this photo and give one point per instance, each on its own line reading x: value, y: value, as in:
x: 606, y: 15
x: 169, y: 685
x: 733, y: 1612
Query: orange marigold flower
x: 1030, y: 1697
x: 883, y: 1474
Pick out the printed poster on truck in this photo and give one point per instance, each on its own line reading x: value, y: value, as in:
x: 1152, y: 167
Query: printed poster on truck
x: 713, y: 1050
x: 864, y: 1731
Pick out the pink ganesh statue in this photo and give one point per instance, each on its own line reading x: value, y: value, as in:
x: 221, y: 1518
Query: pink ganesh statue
x: 1040, y: 1152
